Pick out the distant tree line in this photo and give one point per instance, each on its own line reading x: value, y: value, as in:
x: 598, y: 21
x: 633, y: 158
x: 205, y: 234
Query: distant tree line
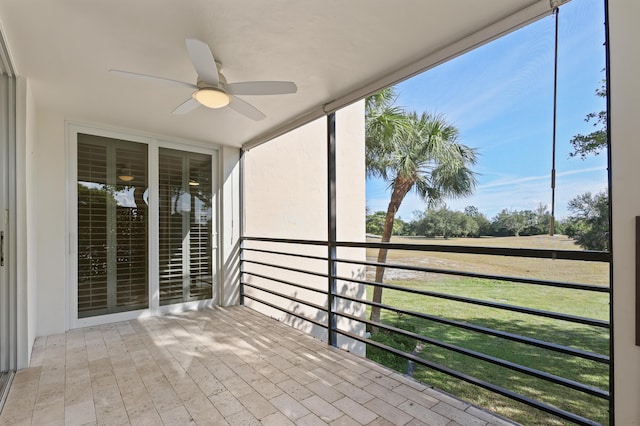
x: 446, y: 223
x: 588, y: 224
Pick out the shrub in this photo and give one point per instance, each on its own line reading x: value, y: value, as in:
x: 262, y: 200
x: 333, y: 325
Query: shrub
x: 397, y: 341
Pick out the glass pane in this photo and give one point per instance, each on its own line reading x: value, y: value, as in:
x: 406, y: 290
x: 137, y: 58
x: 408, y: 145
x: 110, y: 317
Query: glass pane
x: 131, y: 229
x: 112, y: 226
x: 92, y: 228
x: 170, y: 233
x: 185, y: 234
x: 200, y: 231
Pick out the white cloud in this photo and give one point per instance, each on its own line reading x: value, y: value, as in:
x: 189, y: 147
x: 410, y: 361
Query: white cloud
x: 507, y: 181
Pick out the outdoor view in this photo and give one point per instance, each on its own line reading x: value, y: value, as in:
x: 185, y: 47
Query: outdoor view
x: 462, y: 155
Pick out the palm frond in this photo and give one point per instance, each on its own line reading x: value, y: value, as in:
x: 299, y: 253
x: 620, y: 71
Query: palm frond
x: 421, y: 149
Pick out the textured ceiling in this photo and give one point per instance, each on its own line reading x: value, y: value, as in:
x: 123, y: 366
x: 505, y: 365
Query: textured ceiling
x: 328, y: 48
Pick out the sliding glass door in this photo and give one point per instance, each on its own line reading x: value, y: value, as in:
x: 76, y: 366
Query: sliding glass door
x: 185, y: 234
x: 7, y: 235
x: 146, y: 227
x: 112, y: 226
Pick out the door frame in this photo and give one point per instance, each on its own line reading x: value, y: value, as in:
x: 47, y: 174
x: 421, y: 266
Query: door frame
x: 8, y: 268
x: 153, y: 143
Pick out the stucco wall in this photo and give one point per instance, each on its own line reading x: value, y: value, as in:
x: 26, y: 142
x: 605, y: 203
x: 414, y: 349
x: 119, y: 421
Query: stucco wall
x: 26, y: 276
x: 32, y: 244
x: 625, y: 155
x: 49, y: 219
x: 285, y: 196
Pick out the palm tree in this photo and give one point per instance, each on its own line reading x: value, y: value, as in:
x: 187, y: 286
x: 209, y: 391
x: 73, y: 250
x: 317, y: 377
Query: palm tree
x: 412, y: 152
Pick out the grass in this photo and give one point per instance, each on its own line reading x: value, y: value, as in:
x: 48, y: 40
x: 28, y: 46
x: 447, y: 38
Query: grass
x: 579, y: 303
x: 596, y: 273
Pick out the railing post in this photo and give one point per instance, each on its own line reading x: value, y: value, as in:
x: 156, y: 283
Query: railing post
x: 331, y: 227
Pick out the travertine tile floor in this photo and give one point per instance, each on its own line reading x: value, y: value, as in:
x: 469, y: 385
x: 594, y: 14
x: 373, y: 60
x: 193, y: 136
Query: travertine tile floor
x: 216, y: 367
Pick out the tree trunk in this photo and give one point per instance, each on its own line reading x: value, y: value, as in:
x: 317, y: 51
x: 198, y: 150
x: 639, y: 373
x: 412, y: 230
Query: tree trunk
x: 400, y: 189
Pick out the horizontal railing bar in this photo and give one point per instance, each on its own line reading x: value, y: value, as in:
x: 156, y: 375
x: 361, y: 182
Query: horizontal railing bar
x: 306, y: 256
x: 285, y: 296
x: 574, y: 286
x: 603, y: 359
x: 254, y: 274
x: 586, y: 255
x: 591, y: 390
x: 479, y: 302
x: 480, y: 383
x: 286, y: 268
x: 591, y: 256
x: 280, y: 308
x: 287, y: 241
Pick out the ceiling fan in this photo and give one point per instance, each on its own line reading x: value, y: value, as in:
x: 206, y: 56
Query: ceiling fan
x: 212, y: 89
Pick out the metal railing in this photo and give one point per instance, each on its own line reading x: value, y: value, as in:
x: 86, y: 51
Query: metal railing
x: 263, y: 260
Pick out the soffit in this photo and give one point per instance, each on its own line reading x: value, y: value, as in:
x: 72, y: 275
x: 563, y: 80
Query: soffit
x: 328, y: 48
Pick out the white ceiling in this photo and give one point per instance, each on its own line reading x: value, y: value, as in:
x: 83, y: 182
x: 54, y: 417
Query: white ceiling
x: 328, y: 48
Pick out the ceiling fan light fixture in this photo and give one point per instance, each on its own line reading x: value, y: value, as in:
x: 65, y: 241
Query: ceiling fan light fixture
x: 211, y: 97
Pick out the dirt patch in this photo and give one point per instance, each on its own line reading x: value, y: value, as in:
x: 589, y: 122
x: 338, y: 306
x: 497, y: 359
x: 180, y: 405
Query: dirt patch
x: 424, y: 262
x: 547, y: 269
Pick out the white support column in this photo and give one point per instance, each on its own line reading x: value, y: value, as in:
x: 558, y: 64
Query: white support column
x: 229, y: 242
x: 625, y: 155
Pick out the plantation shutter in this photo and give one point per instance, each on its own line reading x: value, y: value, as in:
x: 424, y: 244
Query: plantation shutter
x: 200, y: 227
x: 131, y: 230
x: 185, y: 235
x: 92, y: 228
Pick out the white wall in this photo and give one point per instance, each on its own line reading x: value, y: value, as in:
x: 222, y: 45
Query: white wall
x: 32, y: 257
x: 285, y: 195
x: 48, y: 221
x: 625, y: 156
x: 26, y: 276
x: 285, y: 186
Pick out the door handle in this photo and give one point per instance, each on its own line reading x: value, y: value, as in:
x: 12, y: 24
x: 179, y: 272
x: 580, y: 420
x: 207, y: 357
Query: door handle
x: 1, y: 248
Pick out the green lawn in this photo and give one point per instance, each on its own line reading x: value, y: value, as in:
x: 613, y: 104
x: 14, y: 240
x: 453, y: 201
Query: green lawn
x: 579, y: 303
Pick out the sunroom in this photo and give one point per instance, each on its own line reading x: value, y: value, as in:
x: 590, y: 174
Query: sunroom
x: 129, y: 205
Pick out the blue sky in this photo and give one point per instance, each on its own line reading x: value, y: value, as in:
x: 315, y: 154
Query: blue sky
x: 500, y: 97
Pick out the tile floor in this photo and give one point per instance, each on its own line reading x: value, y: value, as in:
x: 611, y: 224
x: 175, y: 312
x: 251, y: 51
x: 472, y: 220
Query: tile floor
x: 216, y: 367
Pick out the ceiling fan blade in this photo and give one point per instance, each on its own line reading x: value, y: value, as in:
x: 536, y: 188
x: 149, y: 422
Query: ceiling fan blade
x: 186, y: 107
x: 202, y: 60
x: 246, y: 109
x: 262, y: 88
x: 153, y: 78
